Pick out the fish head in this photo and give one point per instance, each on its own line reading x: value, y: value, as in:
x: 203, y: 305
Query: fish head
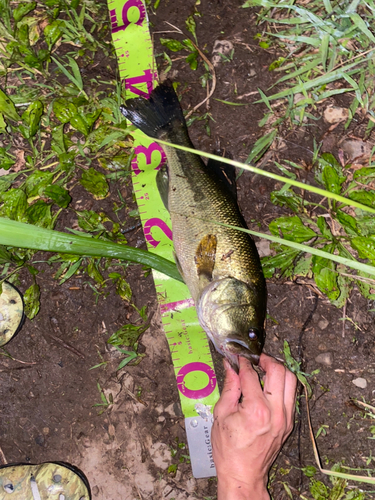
x: 232, y: 314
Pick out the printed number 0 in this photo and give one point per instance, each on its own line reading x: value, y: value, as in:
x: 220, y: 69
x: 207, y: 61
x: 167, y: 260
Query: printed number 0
x: 128, y: 5
x: 199, y: 367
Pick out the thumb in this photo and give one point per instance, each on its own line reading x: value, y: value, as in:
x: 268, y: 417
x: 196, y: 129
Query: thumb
x: 231, y: 393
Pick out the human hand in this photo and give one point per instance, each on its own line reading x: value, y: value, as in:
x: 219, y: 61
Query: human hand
x: 247, y: 437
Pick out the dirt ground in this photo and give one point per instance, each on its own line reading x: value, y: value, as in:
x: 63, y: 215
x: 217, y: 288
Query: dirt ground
x: 46, y: 407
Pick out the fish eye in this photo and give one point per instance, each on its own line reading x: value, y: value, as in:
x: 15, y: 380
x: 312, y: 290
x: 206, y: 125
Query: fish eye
x: 252, y: 335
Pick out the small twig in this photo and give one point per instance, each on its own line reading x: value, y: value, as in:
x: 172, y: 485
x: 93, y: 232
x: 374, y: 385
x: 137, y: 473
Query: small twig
x: 67, y: 346
x: 3, y: 460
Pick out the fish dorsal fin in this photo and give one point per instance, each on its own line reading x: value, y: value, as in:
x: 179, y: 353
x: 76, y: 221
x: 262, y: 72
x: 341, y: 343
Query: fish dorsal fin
x: 225, y: 174
x: 205, y: 256
x: 162, y: 183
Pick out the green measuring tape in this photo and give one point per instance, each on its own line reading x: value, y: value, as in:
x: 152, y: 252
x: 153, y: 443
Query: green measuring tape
x: 195, y: 375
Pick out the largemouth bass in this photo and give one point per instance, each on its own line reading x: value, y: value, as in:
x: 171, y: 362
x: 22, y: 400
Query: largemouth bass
x: 220, y: 265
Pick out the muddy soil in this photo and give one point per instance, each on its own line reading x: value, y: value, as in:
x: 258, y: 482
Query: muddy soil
x: 48, y: 393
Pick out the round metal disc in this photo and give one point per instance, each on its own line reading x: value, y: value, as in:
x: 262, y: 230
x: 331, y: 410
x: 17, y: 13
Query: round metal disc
x: 11, y: 312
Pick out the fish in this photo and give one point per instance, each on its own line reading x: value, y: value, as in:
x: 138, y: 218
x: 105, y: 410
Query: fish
x: 220, y: 265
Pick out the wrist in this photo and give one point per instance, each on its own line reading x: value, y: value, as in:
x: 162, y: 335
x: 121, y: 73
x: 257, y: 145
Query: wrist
x: 233, y: 489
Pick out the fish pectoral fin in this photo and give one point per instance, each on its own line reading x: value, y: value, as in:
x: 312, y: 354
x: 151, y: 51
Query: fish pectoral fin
x: 205, y: 256
x: 162, y: 183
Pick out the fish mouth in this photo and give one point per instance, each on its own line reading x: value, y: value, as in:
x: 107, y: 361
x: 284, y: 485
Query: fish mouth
x: 239, y: 348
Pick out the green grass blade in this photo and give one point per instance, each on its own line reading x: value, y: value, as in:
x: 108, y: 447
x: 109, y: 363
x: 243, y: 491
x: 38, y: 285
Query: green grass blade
x: 317, y: 82
x: 361, y: 25
x: 20, y: 235
x: 76, y: 82
x: 265, y: 173
x: 353, y: 264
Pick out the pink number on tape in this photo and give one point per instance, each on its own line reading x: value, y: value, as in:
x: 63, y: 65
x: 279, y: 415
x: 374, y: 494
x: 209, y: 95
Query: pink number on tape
x: 155, y: 222
x: 148, y: 78
x: 198, y: 393
x: 148, y: 154
x: 124, y: 15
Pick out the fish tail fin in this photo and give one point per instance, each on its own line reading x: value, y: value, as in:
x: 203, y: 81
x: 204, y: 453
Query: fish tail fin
x: 158, y: 114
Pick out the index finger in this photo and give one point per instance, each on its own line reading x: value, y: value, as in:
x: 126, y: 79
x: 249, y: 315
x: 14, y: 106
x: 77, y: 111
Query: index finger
x: 249, y: 380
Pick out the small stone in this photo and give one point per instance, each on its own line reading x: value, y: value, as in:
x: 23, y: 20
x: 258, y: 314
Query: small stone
x: 263, y: 248
x: 335, y: 115
x: 326, y: 358
x: 360, y: 382
x: 323, y: 323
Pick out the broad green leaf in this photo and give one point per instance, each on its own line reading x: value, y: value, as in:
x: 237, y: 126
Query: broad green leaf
x: 324, y: 228
x: 191, y: 26
x: 366, y: 197
x: 123, y: 290
x: 31, y: 117
x: 319, y: 490
x: 364, y: 173
x: 22, y: 9
x: 7, y: 180
x: 366, y: 225
x: 364, y: 246
x: 67, y: 163
x: 331, y: 179
x: 347, y: 221
x: 94, y: 273
x: 327, y: 160
x: 95, y: 182
x: 171, y: 44
x: 91, y: 221
x: 52, y: 32
x: 64, y: 110
x: 303, y: 265
x: 283, y: 261
x: 78, y: 121
x: 36, y: 182
x: 19, y: 235
x: 31, y: 300
x: 289, y: 198
x: 325, y: 274
x: 345, y: 286
x: 118, y: 162
x: 39, y: 213
x: 291, y: 228
x: 58, y: 194
x: 15, y: 205
x: 367, y: 288
x: 7, y: 107
x: 6, y: 160
x: 192, y: 60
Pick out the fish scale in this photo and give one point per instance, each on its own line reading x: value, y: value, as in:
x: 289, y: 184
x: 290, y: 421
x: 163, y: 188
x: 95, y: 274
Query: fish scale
x: 190, y: 184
